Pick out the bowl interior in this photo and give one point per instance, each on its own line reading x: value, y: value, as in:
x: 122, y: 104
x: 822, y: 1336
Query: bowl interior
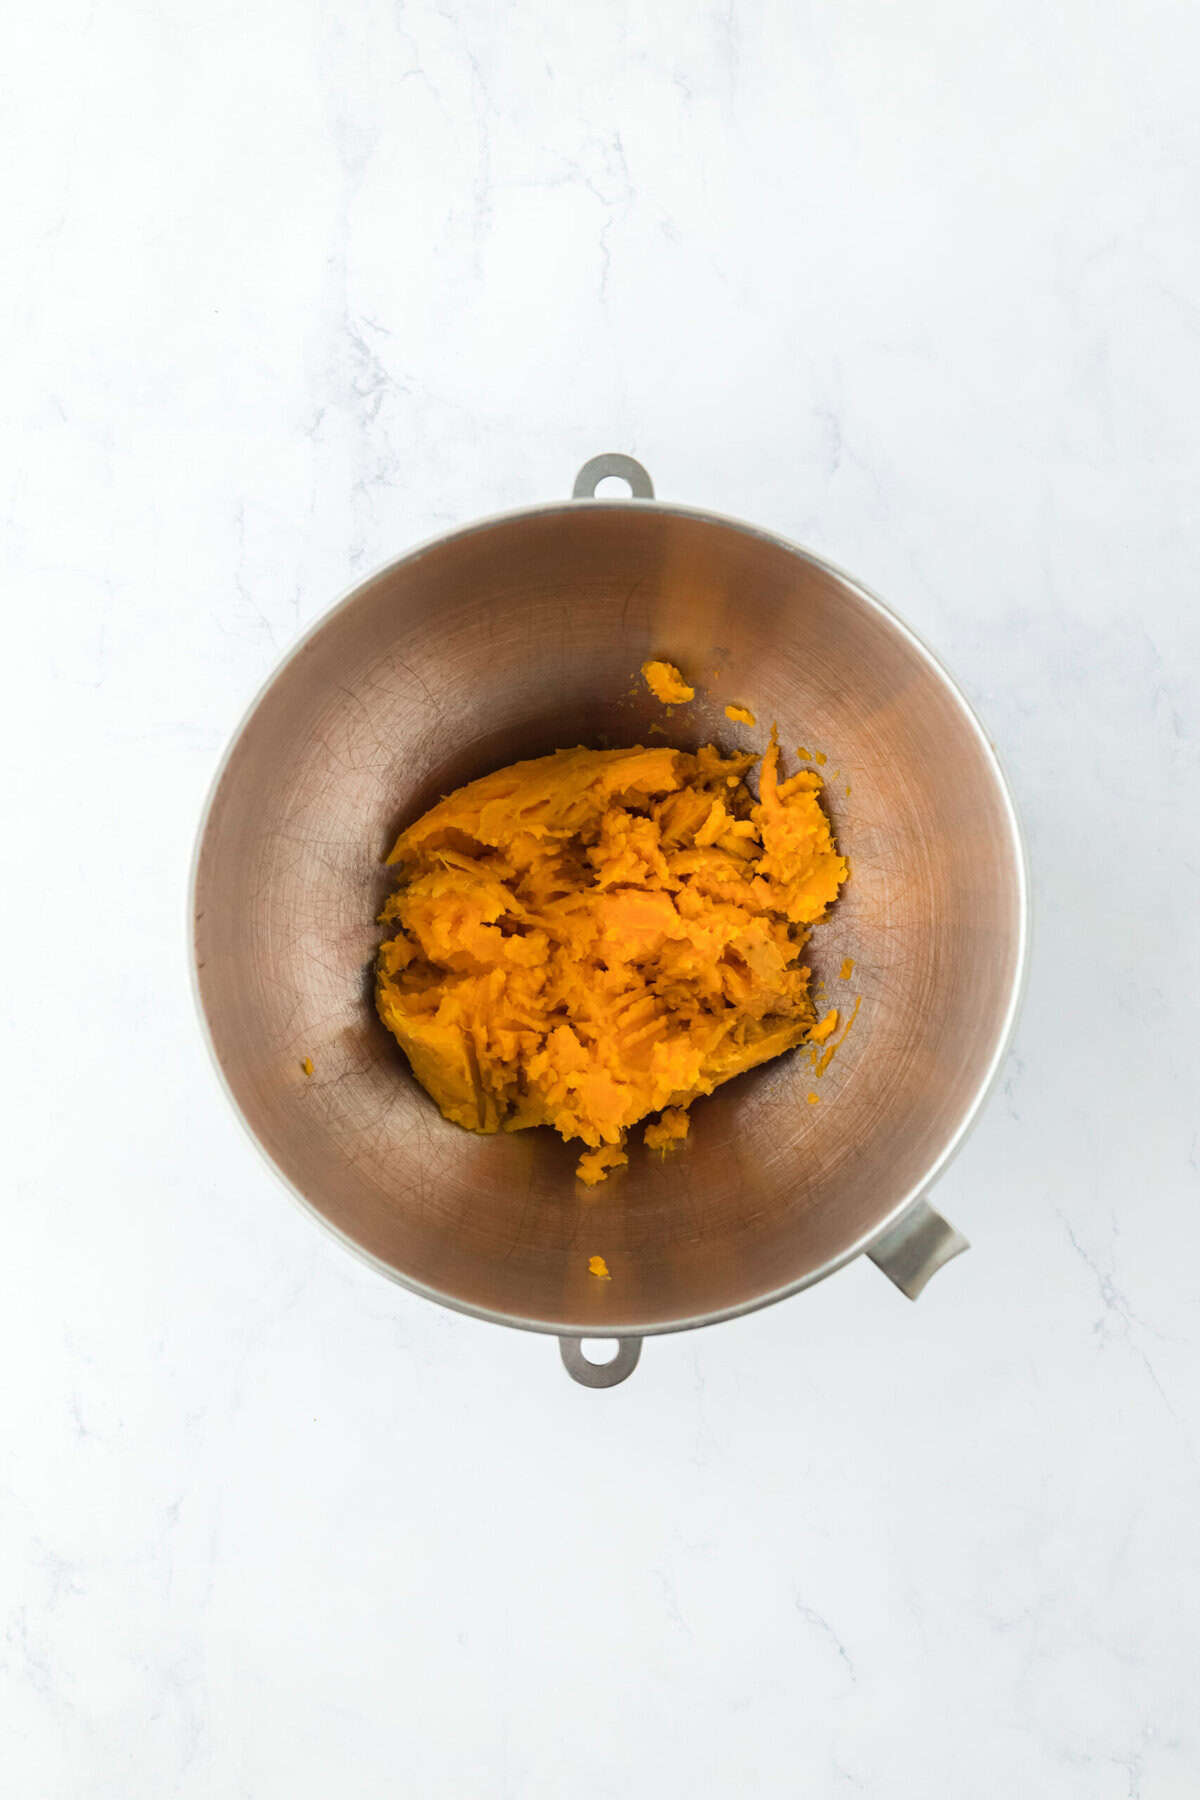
x: 509, y: 640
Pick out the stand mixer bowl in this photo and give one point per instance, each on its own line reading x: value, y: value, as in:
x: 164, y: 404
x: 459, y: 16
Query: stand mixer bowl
x: 509, y: 639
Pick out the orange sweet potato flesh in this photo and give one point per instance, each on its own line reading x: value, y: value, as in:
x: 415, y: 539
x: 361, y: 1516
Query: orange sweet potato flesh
x: 586, y: 939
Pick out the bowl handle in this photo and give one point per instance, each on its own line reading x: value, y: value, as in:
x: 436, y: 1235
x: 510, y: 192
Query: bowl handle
x: 916, y: 1247
x: 612, y: 463
x: 599, y: 1375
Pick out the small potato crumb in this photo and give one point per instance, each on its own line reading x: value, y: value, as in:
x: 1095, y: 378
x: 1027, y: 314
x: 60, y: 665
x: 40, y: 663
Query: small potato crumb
x: 669, y: 1132
x: 847, y: 968
x: 813, y: 1099
x: 599, y: 1268
x: 740, y: 715
x: 803, y: 754
x: 667, y: 684
x: 307, y: 1065
x: 825, y: 1028
x: 595, y: 1164
x: 820, y: 757
x: 822, y: 1060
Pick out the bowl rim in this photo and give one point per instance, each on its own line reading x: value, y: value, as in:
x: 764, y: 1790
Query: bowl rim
x: 567, y: 1328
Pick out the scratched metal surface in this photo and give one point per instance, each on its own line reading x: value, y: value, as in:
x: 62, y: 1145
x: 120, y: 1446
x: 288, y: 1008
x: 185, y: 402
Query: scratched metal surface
x: 508, y: 640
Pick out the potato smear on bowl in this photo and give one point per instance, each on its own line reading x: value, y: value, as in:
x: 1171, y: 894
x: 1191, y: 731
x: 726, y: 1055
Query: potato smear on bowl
x: 591, y: 938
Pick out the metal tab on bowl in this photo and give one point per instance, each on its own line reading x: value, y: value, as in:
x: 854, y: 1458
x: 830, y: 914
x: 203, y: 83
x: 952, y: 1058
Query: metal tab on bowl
x: 612, y: 462
x: 582, y: 1369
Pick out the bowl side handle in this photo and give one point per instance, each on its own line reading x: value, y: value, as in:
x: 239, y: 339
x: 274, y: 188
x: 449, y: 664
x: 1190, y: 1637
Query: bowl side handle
x: 916, y: 1248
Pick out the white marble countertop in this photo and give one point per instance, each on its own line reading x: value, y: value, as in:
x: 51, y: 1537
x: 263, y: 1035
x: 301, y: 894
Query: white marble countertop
x: 290, y: 288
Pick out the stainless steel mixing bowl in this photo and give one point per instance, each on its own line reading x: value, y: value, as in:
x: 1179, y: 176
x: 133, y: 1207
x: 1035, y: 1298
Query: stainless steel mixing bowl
x: 509, y: 639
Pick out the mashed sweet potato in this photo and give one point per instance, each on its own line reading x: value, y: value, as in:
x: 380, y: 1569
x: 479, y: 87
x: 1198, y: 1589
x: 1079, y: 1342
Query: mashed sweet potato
x: 597, y: 936
x: 667, y: 684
